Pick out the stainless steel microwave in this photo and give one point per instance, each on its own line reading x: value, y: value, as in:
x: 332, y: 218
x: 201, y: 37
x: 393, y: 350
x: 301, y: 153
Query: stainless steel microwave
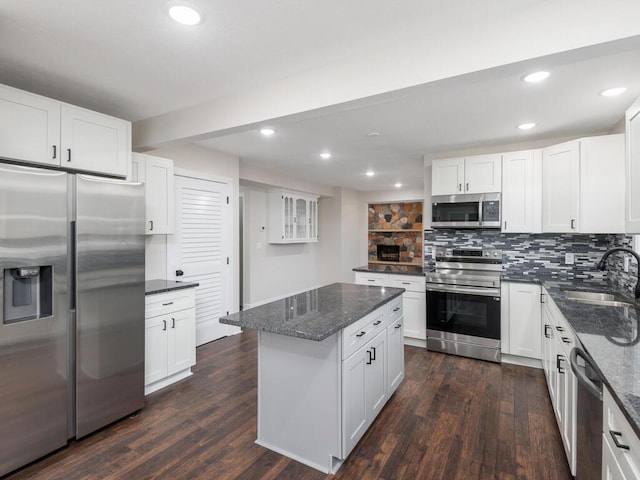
x: 480, y: 210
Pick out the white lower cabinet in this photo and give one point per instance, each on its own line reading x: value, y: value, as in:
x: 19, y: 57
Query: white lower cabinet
x: 620, y: 444
x: 557, y: 342
x: 364, y: 390
x: 414, y: 299
x: 395, y: 355
x: 521, y: 317
x: 170, y: 338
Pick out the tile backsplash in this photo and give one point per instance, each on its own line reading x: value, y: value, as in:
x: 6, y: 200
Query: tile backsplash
x: 543, y: 255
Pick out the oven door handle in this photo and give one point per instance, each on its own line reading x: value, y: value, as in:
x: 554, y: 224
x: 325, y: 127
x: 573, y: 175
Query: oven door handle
x: 485, y: 292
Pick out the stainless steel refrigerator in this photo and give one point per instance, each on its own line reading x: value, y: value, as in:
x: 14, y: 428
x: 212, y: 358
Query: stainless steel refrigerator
x: 71, y: 306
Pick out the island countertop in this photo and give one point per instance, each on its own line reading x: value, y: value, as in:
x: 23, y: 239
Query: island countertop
x: 316, y: 314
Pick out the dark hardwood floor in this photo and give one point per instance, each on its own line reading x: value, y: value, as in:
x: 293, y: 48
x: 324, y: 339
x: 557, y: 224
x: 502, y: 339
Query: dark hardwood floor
x: 451, y: 418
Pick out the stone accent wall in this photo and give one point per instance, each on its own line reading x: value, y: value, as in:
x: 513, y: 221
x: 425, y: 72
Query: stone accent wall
x: 394, y: 224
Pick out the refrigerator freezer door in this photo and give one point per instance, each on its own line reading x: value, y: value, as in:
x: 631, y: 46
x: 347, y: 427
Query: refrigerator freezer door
x: 109, y: 234
x: 33, y: 314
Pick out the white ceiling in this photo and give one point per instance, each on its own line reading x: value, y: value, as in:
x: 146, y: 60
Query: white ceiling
x: 130, y: 60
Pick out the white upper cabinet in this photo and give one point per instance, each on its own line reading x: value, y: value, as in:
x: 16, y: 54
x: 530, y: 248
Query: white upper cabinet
x: 560, y: 187
x: 583, y: 186
x: 29, y: 127
x: 93, y: 142
x: 483, y: 174
x: 293, y: 217
x: 35, y: 129
x: 157, y: 175
x: 602, y: 184
x: 447, y: 176
x: 522, y: 192
x: 478, y: 174
x: 633, y: 168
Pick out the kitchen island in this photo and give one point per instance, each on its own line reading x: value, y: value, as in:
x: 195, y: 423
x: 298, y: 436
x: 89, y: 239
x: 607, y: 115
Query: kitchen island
x: 328, y: 361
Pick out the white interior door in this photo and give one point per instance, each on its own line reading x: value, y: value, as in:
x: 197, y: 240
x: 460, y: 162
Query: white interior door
x: 201, y: 249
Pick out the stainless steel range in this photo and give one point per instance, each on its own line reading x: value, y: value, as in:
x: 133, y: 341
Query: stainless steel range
x: 463, y: 303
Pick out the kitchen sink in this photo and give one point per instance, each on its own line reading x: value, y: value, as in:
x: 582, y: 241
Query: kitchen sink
x: 597, y: 298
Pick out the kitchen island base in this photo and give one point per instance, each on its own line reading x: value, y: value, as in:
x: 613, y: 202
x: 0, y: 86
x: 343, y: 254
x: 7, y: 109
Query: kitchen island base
x: 328, y: 361
x: 317, y: 399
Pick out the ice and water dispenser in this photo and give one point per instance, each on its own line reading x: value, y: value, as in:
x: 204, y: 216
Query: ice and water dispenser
x: 28, y: 293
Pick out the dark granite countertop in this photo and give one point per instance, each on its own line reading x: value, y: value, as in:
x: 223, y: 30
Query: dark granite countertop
x: 394, y: 269
x: 610, y: 335
x: 316, y: 314
x: 160, y: 286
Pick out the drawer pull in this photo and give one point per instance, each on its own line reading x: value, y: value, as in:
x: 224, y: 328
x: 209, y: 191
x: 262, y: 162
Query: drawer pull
x: 361, y: 334
x: 406, y: 283
x: 168, y: 303
x: 615, y: 436
x: 560, y: 329
x: 396, y: 309
x: 566, y: 340
x: 399, y: 325
x: 375, y: 324
x: 371, y: 279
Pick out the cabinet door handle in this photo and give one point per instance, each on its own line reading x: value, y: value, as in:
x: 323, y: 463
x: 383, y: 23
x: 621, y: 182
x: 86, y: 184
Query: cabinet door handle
x: 375, y: 324
x: 573, y: 224
x: 361, y: 334
x: 396, y: 309
x: 68, y: 154
x: 369, y: 355
x: 559, y: 359
x: 459, y: 187
x: 399, y: 325
x: 467, y: 187
x: 615, y: 436
x: 164, y: 325
x: 150, y: 225
x: 55, y: 152
x: 374, y: 353
x: 546, y: 332
x: 566, y: 340
x: 168, y: 303
x: 173, y: 322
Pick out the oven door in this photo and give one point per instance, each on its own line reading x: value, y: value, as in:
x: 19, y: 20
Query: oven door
x: 462, y: 310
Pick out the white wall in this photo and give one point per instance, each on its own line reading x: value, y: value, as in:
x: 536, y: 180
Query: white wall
x: 208, y: 164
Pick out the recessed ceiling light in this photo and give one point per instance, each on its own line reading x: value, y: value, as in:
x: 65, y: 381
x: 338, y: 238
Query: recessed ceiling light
x: 370, y: 173
x: 398, y: 185
x: 536, y: 77
x: 373, y: 134
x: 612, y: 92
x: 184, y: 14
x: 526, y: 126
x: 325, y: 155
x: 267, y: 132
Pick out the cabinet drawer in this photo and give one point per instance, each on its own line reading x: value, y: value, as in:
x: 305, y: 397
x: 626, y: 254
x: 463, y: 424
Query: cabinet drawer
x: 411, y: 284
x: 359, y: 333
x: 394, y: 309
x: 161, y: 303
x: 615, y: 421
x: 369, y: 278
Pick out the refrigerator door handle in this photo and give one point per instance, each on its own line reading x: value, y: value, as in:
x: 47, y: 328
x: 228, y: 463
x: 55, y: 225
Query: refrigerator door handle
x: 72, y: 260
x: 579, y: 372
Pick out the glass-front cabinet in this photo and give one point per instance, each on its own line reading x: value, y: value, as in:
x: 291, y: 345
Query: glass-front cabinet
x: 293, y: 217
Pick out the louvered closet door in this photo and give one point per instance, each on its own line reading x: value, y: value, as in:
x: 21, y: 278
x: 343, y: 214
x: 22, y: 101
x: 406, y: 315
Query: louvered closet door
x: 200, y: 248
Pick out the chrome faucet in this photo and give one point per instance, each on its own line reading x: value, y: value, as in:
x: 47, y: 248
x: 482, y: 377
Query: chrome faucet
x: 603, y: 260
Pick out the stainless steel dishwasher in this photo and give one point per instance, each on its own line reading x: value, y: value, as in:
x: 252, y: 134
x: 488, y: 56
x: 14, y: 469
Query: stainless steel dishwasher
x: 588, y: 417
